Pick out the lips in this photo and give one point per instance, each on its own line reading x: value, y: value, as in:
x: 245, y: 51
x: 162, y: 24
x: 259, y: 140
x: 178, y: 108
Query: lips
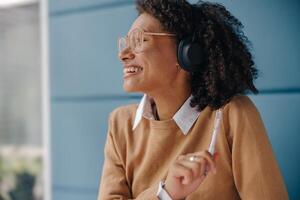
x: 132, y: 70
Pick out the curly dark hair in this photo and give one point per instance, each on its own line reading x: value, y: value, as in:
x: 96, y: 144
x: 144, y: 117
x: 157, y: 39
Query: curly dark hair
x: 229, y: 68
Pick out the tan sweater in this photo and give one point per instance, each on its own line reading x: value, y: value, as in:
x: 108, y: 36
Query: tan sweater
x: 135, y: 161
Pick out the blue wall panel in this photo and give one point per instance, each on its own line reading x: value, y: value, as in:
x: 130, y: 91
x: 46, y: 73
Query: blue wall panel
x: 66, y: 5
x: 58, y: 194
x: 78, y: 136
x: 84, y: 51
x: 281, y: 114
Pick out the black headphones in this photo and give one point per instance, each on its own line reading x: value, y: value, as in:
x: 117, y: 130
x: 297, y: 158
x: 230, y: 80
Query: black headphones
x: 190, y: 54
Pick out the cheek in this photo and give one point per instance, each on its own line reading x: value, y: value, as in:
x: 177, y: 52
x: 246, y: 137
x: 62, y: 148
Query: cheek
x: 167, y: 54
x: 164, y: 56
x: 166, y: 60
x: 160, y: 71
x: 160, y: 62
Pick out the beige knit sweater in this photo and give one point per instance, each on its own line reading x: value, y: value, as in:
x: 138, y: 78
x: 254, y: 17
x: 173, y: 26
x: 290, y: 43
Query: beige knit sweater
x: 135, y: 161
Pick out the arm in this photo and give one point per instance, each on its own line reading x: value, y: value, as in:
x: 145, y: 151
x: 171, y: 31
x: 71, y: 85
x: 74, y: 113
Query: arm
x: 113, y: 182
x: 255, y: 169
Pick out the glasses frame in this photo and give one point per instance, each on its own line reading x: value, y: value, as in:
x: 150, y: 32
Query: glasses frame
x: 124, y: 41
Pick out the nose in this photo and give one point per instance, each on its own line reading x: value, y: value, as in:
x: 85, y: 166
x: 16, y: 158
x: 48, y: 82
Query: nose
x: 126, y: 54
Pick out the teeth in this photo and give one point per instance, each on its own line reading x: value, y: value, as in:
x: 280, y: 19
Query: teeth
x: 132, y: 69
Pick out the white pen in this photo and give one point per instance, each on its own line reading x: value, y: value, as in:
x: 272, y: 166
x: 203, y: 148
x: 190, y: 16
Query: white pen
x: 215, y: 133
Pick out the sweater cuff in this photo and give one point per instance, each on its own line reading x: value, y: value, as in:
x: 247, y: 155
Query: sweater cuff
x: 161, y: 193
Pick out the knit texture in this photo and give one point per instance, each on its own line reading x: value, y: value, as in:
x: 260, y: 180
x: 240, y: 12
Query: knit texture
x: 135, y: 161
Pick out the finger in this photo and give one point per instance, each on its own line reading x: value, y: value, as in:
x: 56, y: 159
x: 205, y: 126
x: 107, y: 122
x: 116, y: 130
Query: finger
x: 198, y: 155
x: 181, y: 157
x: 209, y: 158
x: 216, y: 155
x: 182, y: 172
x: 204, y: 154
x: 207, y: 164
x: 203, y: 163
x: 195, y: 166
x: 206, y: 167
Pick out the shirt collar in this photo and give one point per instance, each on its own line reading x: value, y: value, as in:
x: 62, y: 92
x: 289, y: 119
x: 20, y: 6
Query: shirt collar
x: 185, y: 117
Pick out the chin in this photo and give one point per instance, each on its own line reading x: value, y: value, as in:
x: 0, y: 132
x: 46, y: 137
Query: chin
x: 130, y: 89
x: 133, y: 89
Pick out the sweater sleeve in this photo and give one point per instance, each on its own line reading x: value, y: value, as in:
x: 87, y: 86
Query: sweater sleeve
x: 255, y: 169
x: 114, y: 184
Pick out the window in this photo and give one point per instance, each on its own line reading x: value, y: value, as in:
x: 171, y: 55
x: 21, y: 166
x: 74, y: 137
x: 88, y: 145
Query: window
x: 22, y: 146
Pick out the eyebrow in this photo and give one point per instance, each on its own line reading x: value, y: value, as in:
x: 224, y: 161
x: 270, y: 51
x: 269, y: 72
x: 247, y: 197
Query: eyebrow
x: 147, y: 30
x: 153, y: 32
x: 144, y: 29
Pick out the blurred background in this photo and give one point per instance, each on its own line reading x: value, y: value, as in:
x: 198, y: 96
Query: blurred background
x: 60, y: 78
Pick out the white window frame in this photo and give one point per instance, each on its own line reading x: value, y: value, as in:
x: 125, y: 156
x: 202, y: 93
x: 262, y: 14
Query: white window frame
x: 44, y: 30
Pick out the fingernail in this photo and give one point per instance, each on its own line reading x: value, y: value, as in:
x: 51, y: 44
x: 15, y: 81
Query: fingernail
x: 184, y: 181
x: 216, y: 155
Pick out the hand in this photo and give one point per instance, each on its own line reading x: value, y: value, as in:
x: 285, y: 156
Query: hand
x: 186, y: 174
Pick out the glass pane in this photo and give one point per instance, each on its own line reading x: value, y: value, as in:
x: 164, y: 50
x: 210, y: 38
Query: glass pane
x: 21, y: 161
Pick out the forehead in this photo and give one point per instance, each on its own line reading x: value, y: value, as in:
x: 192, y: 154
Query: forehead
x: 147, y: 23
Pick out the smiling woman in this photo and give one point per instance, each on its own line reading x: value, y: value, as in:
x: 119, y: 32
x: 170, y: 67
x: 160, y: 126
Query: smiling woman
x: 194, y: 135
x: 148, y: 48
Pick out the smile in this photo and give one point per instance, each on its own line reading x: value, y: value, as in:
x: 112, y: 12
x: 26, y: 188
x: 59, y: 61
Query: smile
x: 133, y: 70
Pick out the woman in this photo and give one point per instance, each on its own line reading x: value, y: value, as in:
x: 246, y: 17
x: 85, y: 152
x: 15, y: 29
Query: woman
x: 193, y: 64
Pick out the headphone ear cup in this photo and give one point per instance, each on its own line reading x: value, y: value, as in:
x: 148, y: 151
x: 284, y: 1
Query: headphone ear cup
x: 190, y: 55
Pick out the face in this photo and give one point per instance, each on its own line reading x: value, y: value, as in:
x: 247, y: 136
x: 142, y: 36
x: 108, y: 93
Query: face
x: 156, y: 65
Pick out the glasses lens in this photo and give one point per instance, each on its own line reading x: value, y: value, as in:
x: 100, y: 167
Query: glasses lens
x: 122, y: 44
x: 136, y: 40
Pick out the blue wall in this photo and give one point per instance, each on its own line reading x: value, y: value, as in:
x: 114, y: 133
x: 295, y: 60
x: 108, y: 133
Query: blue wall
x: 86, y: 84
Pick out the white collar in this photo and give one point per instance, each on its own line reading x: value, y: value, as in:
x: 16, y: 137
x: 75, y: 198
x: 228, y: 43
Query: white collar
x: 185, y: 117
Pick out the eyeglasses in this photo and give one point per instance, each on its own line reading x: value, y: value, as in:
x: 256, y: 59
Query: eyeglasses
x: 135, y: 40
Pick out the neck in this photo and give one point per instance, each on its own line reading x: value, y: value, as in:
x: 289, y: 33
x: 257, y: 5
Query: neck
x: 169, y: 103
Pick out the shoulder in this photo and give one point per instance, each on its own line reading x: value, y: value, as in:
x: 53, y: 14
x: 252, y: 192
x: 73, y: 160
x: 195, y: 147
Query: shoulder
x: 241, y: 110
x: 125, y: 112
x: 242, y: 120
x: 121, y: 119
x: 240, y: 104
x: 119, y: 127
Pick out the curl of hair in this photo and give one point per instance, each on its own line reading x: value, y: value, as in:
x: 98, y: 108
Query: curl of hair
x: 229, y: 68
